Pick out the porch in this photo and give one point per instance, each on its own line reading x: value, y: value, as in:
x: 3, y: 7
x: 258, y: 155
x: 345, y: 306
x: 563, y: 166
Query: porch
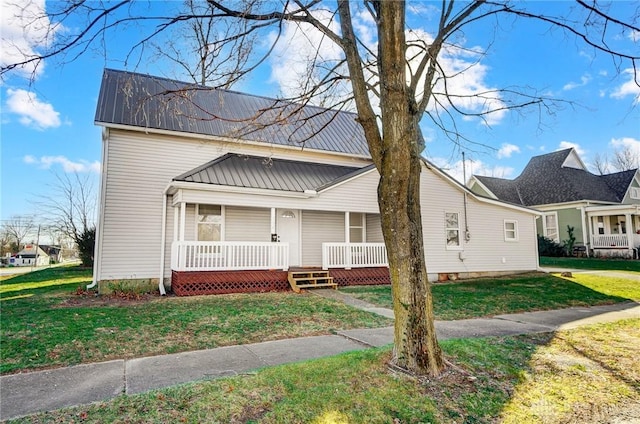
x: 614, y: 231
x: 239, y: 267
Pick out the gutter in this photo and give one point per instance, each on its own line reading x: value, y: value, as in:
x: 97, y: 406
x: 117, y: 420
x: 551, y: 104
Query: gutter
x: 97, y: 258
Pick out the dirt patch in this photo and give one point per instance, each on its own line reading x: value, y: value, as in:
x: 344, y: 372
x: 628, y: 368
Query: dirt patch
x: 82, y: 298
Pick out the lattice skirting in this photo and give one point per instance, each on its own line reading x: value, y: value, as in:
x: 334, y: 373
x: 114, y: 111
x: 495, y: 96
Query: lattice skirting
x: 223, y: 282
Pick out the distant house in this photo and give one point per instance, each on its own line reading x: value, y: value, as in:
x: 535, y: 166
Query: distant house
x: 199, y: 194
x: 604, y: 210
x: 28, y: 257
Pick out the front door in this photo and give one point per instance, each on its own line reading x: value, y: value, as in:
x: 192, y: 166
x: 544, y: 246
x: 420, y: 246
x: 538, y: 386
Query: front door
x: 289, y: 232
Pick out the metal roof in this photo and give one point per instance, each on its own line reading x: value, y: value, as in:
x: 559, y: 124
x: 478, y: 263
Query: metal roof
x: 149, y: 102
x: 546, y: 181
x: 268, y: 173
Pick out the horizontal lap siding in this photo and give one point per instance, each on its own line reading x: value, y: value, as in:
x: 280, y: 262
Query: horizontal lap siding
x: 139, y: 168
x: 486, y: 248
x: 247, y: 224
x: 319, y: 227
x: 374, y: 229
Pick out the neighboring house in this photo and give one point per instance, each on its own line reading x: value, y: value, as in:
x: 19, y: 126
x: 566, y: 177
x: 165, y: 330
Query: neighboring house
x: 604, y: 210
x: 199, y: 194
x: 54, y: 252
x: 27, y: 257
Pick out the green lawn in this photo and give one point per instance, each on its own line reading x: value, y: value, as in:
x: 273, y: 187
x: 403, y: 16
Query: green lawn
x: 584, y: 375
x: 591, y: 263
x: 494, y: 296
x: 44, y: 323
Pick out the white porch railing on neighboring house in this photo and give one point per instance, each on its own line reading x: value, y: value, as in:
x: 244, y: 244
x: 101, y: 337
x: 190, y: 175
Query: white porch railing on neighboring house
x: 228, y: 255
x: 353, y: 255
x: 604, y: 241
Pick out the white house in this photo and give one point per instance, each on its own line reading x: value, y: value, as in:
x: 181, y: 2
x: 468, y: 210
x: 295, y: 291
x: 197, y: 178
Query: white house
x: 30, y: 256
x: 199, y: 193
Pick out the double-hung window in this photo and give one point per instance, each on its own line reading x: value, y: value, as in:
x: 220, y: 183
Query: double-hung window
x: 452, y: 229
x: 356, y: 227
x: 510, y: 230
x: 551, y: 226
x: 209, y: 223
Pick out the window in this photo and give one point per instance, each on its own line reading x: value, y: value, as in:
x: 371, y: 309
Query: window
x: 209, y: 223
x: 551, y: 226
x: 510, y: 230
x: 452, y: 228
x: 635, y: 193
x: 356, y: 227
x: 601, y: 225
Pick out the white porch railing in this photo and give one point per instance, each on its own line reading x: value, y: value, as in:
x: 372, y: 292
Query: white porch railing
x: 228, y: 255
x: 603, y: 241
x: 353, y: 255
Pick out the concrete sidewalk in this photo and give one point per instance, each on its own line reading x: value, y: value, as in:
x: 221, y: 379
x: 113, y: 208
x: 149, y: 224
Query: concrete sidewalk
x: 28, y: 393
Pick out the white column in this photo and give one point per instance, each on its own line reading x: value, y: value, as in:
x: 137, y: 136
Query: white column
x: 183, y: 220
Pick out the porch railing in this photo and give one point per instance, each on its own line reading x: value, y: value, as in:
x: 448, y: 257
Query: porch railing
x: 228, y: 256
x: 604, y: 241
x: 353, y: 255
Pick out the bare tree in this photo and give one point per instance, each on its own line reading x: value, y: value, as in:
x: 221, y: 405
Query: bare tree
x: 201, y: 50
x: 601, y: 163
x: 70, y: 207
x: 393, y: 83
x: 625, y: 159
x: 18, y: 227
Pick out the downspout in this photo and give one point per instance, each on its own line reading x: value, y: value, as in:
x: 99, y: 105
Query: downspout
x: 97, y: 250
x: 163, y: 240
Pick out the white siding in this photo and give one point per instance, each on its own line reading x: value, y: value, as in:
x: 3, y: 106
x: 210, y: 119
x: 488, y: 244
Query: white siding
x: 319, y: 227
x: 247, y: 224
x: 139, y: 168
x: 374, y: 229
x: 486, y: 249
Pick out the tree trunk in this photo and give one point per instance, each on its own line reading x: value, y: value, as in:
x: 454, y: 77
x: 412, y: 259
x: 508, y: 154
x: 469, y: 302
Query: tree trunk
x: 416, y: 346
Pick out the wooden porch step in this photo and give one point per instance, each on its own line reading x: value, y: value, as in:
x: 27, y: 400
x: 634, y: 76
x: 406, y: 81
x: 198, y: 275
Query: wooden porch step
x: 310, y: 279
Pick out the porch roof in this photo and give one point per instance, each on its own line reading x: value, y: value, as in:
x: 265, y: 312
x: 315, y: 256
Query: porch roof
x: 269, y: 173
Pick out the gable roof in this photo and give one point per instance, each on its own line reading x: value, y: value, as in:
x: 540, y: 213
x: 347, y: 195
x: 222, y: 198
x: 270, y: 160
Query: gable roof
x: 147, y: 102
x: 269, y: 173
x: 558, y: 177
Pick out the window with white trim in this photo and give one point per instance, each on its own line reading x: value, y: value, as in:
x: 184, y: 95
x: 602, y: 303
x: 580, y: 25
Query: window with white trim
x: 551, y: 226
x: 635, y: 193
x: 356, y: 227
x: 209, y: 224
x: 510, y: 230
x: 452, y: 229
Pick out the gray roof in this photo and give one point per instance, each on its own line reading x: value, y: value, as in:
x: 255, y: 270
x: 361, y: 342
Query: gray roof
x: 545, y: 181
x: 144, y: 101
x: 269, y: 173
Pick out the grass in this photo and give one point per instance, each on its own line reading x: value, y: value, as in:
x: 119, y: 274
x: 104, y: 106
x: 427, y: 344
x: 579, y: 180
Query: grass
x: 584, y: 375
x: 45, y: 324
x: 495, y: 296
x: 591, y: 263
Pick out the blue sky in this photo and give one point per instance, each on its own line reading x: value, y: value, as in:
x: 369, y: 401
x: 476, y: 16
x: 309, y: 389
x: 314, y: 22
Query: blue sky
x: 47, y: 126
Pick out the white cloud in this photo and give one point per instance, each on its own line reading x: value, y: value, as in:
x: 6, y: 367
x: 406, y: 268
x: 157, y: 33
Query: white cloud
x: 584, y: 80
x: 568, y: 144
x: 47, y: 162
x: 473, y: 167
x: 629, y: 88
x: 32, y: 112
x: 634, y: 36
x: 506, y: 150
x: 301, y: 43
x: 25, y: 30
x: 626, y: 143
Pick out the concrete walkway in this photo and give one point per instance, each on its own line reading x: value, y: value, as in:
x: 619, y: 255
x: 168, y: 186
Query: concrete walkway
x: 28, y: 393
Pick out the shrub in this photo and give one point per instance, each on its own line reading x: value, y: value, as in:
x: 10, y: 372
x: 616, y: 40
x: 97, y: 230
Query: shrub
x: 548, y: 247
x: 86, y: 244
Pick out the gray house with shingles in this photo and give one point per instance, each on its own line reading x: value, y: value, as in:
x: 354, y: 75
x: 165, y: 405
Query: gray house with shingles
x: 215, y: 191
x: 604, y: 210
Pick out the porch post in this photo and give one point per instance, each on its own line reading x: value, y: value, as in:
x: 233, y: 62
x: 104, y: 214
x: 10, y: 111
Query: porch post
x: 585, y: 228
x: 273, y: 220
x: 628, y: 229
x: 183, y: 219
x: 347, y: 239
